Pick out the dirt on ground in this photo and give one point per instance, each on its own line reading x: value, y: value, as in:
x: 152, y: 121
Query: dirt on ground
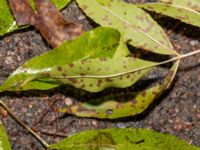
x: 176, y: 112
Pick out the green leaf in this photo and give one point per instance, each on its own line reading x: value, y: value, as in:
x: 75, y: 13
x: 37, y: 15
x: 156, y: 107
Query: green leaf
x: 95, y: 75
x: 193, y: 4
x: 180, y: 12
x: 7, y: 22
x: 100, y: 42
x: 122, y: 139
x: 4, y: 143
x: 136, y: 26
x: 112, y: 106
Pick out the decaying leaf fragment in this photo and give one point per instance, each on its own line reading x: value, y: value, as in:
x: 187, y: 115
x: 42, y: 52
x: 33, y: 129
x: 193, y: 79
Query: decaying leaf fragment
x: 48, y: 20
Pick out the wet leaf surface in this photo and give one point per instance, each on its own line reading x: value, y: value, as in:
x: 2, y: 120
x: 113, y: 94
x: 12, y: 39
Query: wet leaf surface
x: 100, y: 42
x: 119, y: 139
x: 112, y: 107
x: 183, y: 13
x: 4, y: 143
x: 136, y: 26
x: 7, y: 21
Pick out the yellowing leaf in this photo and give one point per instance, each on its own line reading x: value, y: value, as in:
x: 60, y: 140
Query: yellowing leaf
x: 136, y: 26
x: 193, y: 4
x: 180, y: 12
x: 114, y: 106
x: 122, y: 139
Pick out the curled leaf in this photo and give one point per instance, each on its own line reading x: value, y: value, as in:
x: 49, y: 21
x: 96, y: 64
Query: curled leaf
x: 177, y: 11
x: 100, y: 42
x: 136, y: 26
x: 121, y: 139
x: 48, y: 20
x: 111, y: 107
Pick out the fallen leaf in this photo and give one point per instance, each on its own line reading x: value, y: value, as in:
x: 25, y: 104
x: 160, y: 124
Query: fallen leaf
x: 122, y: 139
x: 100, y: 42
x: 7, y: 21
x: 48, y: 20
x: 136, y: 26
x: 183, y: 13
x: 113, y: 106
x: 193, y: 4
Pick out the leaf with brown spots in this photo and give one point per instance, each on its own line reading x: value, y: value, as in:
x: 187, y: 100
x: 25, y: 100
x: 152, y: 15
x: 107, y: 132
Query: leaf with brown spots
x: 193, y: 4
x: 94, y: 75
x: 136, y: 26
x: 112, y: 106
x: 100, y: 42
x: 48, y: 20
x: 181, y: 12
x: 122, y: 139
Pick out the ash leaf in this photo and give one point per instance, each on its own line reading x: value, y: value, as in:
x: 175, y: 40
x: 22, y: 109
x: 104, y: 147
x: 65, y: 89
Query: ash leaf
x: 121, y: 107
x: 122, y: 139
x: 175, y: 10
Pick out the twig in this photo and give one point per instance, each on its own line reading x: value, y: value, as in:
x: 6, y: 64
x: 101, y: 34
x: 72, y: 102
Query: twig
x: 46, y: 145
x: 51, y: 134
x: 45, y: 113
x: 174, y: 27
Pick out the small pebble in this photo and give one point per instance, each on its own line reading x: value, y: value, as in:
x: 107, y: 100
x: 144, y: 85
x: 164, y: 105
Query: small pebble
x: 68, y: 101
x: 194, y: 42
x: 95, y: 123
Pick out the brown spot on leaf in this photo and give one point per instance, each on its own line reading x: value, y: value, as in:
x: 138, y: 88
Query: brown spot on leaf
x: 59, y: 68
x: 133, y: 102
x: 74, y: 81
x: 71, y: 65
x: 143, y: 94
x: 119, y: 105
x: 64, y: 74
x: 109, y: 80
x: 99, y: 82
x: 83, y: 109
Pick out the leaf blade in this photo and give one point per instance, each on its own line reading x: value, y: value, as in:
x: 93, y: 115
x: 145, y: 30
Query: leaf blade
x: 193, y: 4
x: 118, y: 139
x: 182, y: 13
x: 4, y: 142
x: 124, y: 17
x: 111, y: 108
x: 99, y: 42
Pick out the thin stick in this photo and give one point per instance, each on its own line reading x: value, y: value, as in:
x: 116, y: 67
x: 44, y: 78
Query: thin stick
x: 46, y: 145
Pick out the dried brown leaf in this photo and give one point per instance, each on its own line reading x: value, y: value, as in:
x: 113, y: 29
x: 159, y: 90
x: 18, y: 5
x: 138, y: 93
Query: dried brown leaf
x: 48, y: 20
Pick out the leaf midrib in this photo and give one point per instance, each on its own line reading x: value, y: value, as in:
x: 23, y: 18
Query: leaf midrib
x: 132, y: 26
